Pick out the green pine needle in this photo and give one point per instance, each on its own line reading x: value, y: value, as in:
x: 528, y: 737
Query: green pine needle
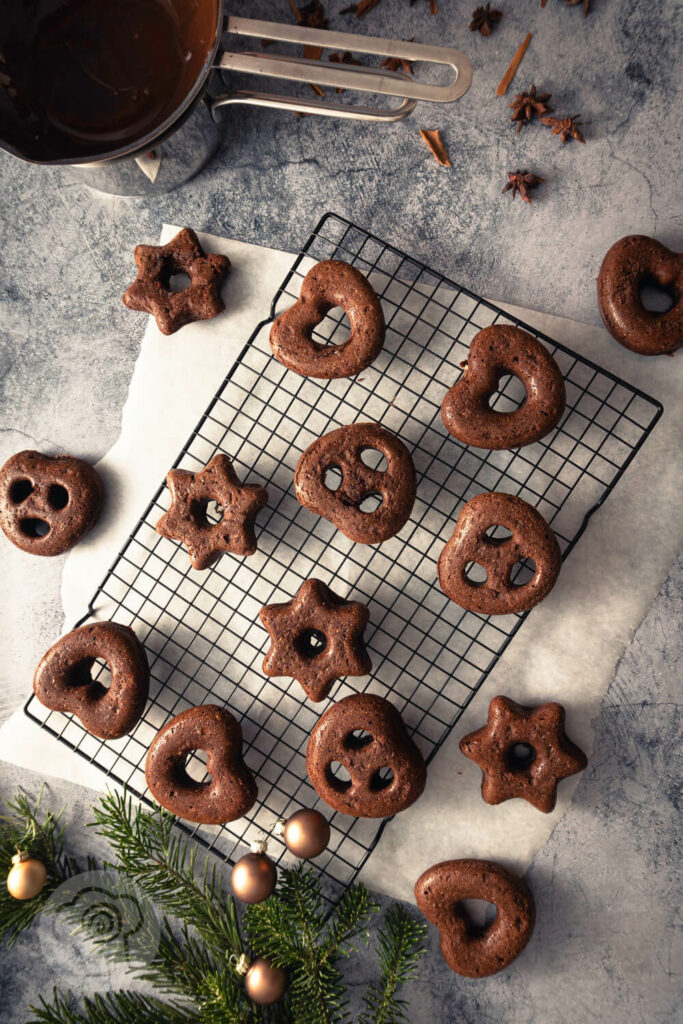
x: 401, y: 945
x: 113, y: 1008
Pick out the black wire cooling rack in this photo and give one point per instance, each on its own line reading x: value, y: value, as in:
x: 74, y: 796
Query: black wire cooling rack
x: 201, y: 630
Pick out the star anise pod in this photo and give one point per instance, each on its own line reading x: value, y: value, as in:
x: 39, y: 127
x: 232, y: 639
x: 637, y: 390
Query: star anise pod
x: 565, y: 127
x: 483, y: 20
x: 522, y: 182
x: 343, y: 58
x: 528, y: 105
x: 394, y: 63
x: 311, y: 15
x: 586, y: 5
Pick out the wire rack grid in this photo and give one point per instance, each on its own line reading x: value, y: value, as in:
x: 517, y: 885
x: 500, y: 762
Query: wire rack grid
x: 201, y: 630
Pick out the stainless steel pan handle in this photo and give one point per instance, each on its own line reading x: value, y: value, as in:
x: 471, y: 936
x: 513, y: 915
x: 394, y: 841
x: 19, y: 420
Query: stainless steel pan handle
x: 375, y: 80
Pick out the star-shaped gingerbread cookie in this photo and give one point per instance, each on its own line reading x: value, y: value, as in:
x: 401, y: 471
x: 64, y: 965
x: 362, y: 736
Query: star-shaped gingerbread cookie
x: 523, y: 751
x: 151, y: 291
x: 316, y: 638
x: 186, y: 519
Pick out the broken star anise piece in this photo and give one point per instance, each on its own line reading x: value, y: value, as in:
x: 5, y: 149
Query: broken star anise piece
x: 565, y: 127
x: 586, y: 5
x: 310, y: 15
x: 483, y: 20
x: 522, y: 182
x: 528, y: 105
x: 399, y: 63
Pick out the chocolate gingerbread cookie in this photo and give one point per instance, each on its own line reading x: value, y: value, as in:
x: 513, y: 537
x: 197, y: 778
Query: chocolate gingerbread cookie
x: 495, y: 352
x: 342, y: 451
x: 151, y: 291
x: 228, y: 793
x: 471, y: 951
x: 48, y: 503
x: 531, y: 538
x: 329, y: 284
x: 523, y: 752
x: 316, y: 638
x: 365, y: 734
x: 63, y: 679
x: 186, y: 519
x: 632, y: 263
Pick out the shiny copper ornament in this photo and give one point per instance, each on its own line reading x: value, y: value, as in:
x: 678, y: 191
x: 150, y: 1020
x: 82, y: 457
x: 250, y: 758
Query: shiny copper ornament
x: 26, y: 878
x: 306, y: 834
x: 264, y: 983
x: 254, y: 876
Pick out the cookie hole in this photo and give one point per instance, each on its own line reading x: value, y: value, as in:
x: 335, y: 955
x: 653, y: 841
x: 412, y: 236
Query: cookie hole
x: 509, y: 395
x: 93, y: 672
x: 34, y: 528
x: 476, y: 574
x: 369, y: 503
x: 332, y: 478
x: 178, y: 282
x: 57, y: 497
x: 195, y: 766
x: 519, y: 757
x: 498, y: 534
x: 335, y: 329
x: 480, y: 915
x: 381, y: 779
x: 19, y: 491
x: 207, y: 513
x: 311, y: 643
x: 358, y: 739
x: 522, y: 572
x: 373, y: 458
x: 338, y: 777
x: 657, y: 298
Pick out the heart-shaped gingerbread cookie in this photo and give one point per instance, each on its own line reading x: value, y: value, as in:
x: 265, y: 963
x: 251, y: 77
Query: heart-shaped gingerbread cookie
x: 231, y: 789
x: 329, y: 284
x: 494, y: 353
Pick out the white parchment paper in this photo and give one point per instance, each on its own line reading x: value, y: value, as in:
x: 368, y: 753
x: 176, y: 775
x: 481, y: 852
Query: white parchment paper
x: 567, y: 649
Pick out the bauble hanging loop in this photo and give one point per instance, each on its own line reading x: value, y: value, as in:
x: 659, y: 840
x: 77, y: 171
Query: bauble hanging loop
x: 27, y: 876
x: 254, y: 876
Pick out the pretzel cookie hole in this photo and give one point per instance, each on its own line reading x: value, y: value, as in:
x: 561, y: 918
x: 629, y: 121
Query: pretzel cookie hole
x: 332, y: 478
x: 498, y: 534
x: 195, y: 768
x: 373, y: 458
x: 519, y: 757
x: 510, y: 394
x: 655, y: 297
x: 358, y: 739
x: 370, y: 502
x: 522, y: 572
x: 311, y: 643
x: 479, y: 914
x: 476, y: 574
x: 34, y: 528
x: 381, y: 779
x: 20, y: 490
x: 57, y: 497
x: 338, y: 777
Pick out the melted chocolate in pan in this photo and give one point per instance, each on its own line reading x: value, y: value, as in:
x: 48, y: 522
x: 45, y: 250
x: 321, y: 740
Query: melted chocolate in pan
x: 83, y: 78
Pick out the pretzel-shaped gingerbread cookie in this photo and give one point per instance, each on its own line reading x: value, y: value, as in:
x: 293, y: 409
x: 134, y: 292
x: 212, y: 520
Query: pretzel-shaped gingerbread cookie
x: 329, y: 284
x: 385, y: 744
x: 342, y: 450
x: 531, y: 538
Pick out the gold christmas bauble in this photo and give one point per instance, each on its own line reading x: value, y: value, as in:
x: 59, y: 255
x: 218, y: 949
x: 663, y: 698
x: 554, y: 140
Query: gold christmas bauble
x: 306, y: 834
x: 26, y: 878
x: 264, y: 983
x: 253, y: 878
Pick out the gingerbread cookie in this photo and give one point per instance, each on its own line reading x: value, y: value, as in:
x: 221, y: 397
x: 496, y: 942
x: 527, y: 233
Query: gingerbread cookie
x: 316, y: 638
x: 342, y: 451
x: 531, y: 538
x: 186, y: 519
x: 230, y: 791
x: 329, y: 284
x: 365, y: 734
x: 48, y: 503
x: 63, y: 680
x: 523, y: 752
x: 471, y: 951
x: 151, y: 290
x: 632, y: 263
x: 494, y: 352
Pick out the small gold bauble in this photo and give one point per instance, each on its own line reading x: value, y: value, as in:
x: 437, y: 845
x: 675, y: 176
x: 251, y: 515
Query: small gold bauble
x: 26, y: 878
x: 306, y: 834
x: 253, y: 878
x: 264, y: 983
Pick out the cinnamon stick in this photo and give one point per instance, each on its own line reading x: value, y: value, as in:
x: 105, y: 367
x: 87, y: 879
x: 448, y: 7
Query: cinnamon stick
x: 435, y: 143
x: 514, y: 65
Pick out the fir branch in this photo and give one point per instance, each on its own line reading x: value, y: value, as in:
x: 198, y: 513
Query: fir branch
x: 401, y: 945
x: 349, y: 922
x: 25, y: 827
x: 113, y: 1008
x: 162, y: 862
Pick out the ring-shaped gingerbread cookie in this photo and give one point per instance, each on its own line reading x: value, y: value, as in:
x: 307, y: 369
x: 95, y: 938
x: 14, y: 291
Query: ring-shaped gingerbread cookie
x: 470, y: 951
x: 531, y: 538
x: 346, y: 505
x: 494, y: 353
x: 365, y: 734
x: 63, y: 679
x: 329, y: 284
x: 630, y: 264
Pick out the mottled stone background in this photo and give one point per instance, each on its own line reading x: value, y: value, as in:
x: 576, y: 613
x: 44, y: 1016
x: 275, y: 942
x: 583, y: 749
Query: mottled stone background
x: 605, y: 884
